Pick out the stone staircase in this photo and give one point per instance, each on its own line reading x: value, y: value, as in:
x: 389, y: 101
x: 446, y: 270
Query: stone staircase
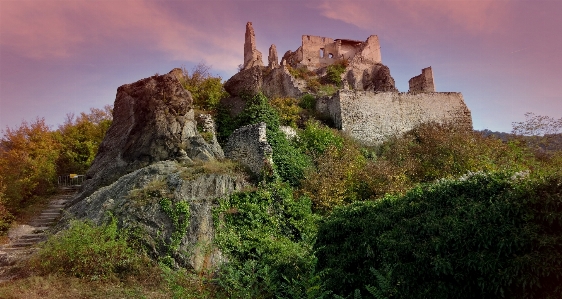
x: 24, y: 238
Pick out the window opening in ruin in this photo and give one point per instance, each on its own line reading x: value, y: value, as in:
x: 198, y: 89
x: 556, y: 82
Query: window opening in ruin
x: 321, y: 52
x: 331, y: 55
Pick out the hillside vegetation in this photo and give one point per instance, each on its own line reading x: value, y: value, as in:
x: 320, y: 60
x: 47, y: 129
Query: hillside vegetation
x: 439, y: 212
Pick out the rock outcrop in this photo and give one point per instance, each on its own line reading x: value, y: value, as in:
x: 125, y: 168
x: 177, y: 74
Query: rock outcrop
x: 252, y: 57
x: 277, y: 82
x: 138, y: 200
x: 248, y: 145
x: 153, y: 121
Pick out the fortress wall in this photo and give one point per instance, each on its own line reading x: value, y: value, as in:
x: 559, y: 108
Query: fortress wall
x: 372, y: 117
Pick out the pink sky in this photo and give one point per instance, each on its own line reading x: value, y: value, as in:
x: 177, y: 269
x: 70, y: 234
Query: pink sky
x: 59, y: 57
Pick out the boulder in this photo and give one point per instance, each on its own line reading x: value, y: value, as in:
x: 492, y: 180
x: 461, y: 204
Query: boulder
x: 153, y: 121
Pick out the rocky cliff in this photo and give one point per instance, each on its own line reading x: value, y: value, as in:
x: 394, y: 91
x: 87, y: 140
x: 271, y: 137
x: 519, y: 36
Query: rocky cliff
x: 153, y: 121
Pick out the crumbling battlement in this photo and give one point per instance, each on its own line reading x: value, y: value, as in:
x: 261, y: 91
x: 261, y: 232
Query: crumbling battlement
x: 372, y: 117
x: 318, y: 52
x: 423, y: 82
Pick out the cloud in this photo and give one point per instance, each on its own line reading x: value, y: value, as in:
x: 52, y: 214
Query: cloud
x: 402, y: 16
x: 62, y: 29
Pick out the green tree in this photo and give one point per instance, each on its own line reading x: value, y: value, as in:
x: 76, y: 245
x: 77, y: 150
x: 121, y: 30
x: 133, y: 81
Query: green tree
x: 80, y: 138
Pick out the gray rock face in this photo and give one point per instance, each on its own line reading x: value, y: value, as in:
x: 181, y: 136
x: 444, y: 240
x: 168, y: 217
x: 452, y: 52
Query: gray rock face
x: 276, y: 82
x: 152, y: 121
x: 135, y: 200
x: 369, y: 76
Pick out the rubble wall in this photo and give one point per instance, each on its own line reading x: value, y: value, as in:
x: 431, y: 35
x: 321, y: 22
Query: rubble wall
x: 372, y: 117
x: 248, y: 145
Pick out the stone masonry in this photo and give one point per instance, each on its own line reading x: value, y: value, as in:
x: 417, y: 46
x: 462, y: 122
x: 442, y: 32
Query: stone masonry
x: 369, y: 107
x: 423, y: 82
x: 252, y: 57
x: 372, y: 117
x: 272, y: 59
x: 248, y: 145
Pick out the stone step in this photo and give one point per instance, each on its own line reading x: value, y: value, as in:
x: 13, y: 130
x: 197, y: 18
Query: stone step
x: 33, y: 237
x: 38, y: 229
x: 48, y: 217
x: 42, y: 223
x: 12, y: 249
x: 49, y: 213
x: 22, y: 244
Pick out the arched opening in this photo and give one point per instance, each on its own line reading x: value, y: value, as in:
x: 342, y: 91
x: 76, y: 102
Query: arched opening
x: 321, y: 52
x: 331, y: 55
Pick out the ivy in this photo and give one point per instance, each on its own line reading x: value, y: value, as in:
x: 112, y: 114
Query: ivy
x: 179, y: 214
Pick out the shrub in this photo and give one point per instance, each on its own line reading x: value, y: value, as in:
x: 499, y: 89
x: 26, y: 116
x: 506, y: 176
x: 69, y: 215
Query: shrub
x: 288, y: 109
x: 316, y: 138
x: 206, y: 90
x: 87, y: 251
x: 334, y: 72
x: 267, y: 236
x: 307, y: 101
x: 482, y: 236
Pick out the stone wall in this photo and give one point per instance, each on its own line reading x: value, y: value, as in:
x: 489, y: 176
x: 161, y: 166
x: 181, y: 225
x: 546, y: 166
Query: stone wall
x: 372, y: 117
x: 423, y: 82
x: 248, y: 145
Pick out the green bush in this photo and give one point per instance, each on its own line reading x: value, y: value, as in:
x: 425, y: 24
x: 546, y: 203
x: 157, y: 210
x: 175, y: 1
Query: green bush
x: 267, y: 236
x: 481, y: 236
x: 88, y: 251
x: 316, y: 138
x: 206, y: 90
x: 334, y: 72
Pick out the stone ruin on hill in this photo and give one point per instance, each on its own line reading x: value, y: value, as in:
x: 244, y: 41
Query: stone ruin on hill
x: 368, y: 106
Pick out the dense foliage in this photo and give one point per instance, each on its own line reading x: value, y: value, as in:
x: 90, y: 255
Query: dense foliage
x: 482, y: 236
x: 267, y: 236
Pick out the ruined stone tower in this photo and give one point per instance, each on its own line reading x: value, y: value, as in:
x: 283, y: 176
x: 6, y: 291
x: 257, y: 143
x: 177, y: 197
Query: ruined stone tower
x: 272, y: 59
x: 252, y: 57
x: 423, y: 82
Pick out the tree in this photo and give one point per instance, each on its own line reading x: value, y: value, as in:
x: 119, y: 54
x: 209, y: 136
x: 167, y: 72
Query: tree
x: 27, y: 162
x: 80, y: 138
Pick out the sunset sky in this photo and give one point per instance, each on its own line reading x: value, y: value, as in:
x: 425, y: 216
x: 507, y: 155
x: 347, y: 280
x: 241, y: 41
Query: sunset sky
x: 59, y: 57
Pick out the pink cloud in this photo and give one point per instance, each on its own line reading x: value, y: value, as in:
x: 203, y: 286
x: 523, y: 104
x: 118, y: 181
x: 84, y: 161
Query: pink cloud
x: 57, y: 29
x: 400, y: 16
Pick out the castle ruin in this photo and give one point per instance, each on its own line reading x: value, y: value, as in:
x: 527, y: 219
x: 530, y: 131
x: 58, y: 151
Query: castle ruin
x: 367, y: 106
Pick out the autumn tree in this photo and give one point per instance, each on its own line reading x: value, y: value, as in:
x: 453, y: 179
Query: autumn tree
x: 28, y: 162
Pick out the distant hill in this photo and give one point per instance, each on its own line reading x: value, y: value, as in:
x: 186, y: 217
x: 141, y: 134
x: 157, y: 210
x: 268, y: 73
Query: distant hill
x: 547, y: 142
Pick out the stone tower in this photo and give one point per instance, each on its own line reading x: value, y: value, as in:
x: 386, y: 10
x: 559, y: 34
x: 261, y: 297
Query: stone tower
x: 272, y: 59
x: 252, y: 57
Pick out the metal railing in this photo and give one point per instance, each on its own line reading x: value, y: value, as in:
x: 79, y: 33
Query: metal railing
x: 71, y: 181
